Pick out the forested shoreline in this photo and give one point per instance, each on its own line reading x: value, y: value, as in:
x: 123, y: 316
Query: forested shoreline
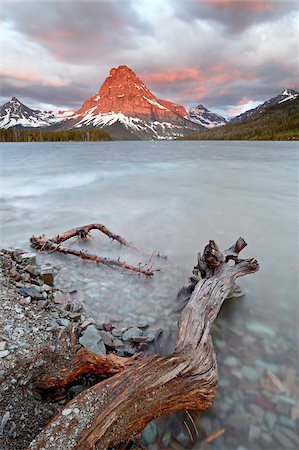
x: 23, y: 135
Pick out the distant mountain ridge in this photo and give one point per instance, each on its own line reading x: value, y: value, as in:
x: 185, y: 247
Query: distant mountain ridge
x: 206, y: 118
x: 16, y: 114
x: 286, y: 95
x: 127, y: 109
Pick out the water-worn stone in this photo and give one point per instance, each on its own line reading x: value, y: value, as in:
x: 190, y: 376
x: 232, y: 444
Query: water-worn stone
x: 238, y: 421
x: 230, y: 361
x: 29, y: 258
x: 257, y: 411
x: 92, y: 340
x: 107, y: 338
x: 31, y: 292
x: 64, y: 322
x: 149, y: 434
x: 131, y: 332
x: 249, y: 373
x: 259, y: 328
x: 4, y: 353
x: 47, y: 275
x: 286, y: 421
x: 3, y: 345
x: 32, y: 270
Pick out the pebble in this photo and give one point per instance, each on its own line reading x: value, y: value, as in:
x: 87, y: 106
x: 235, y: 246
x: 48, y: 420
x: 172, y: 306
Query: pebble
x: 238, y: 421
x: 4, y: 353
x: 3, y: 345
x: 29, y: 258
x: 67, y: 412
x: 107, y: 338
x: 92, y: 340
x: 64, y: 322
x: 286, y: 421
x: 260, y: 328
x: 249, y: 373
x: 131, y: 332
x: 230, y: 361
x: 149, y: 434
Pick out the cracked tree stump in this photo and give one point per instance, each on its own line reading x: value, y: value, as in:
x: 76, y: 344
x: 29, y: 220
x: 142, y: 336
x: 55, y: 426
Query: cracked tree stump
x: 54, y: 245
x: 150, y: 386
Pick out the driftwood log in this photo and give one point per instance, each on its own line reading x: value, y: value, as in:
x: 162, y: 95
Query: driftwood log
x: 145, y: 387
x: 54, y: 245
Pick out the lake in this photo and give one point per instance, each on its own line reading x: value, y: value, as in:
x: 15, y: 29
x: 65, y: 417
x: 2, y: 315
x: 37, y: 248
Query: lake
x: 173, y: 197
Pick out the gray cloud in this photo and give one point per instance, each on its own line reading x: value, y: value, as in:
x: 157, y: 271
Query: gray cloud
x: 77, y: 31
x: 233, y: 15
x: 215, y: 52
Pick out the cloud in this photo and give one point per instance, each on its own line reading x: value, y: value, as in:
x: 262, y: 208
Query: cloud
x: 215, y: 52
x: 77, y: 31
x: 233, y: 15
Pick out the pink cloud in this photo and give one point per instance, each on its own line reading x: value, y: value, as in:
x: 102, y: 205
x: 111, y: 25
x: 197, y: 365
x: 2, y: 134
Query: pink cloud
x: 31, y: 78
x: 244, y: 5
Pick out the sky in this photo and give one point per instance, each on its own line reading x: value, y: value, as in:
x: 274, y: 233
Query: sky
x: 228, y: 55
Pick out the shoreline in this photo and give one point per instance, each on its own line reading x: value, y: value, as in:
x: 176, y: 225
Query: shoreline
x: 40, y: 330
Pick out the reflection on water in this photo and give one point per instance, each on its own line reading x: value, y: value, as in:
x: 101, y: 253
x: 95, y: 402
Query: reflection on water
x: 174, y: 197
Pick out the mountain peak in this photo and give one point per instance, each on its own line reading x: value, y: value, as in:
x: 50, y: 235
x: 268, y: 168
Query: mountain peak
x: 288, y: 91
x: 121, y: 70
x: 124, y: 93
x: 14, y: 100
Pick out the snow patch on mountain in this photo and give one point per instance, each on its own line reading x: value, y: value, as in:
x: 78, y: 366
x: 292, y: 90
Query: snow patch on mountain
x: 16, y: 114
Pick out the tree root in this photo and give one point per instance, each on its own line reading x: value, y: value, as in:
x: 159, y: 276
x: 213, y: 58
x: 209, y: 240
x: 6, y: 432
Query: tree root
x: 53, y: 245
x: 117, y: 408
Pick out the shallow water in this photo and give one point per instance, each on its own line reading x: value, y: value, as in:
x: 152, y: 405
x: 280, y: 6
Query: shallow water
x: 174, y: 197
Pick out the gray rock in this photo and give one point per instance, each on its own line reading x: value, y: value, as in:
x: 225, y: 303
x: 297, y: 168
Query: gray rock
x: 64, y: 322
x: 117, y: 343
x: 92, y: 340
x: 149, y: 434
x: 117, y: 333
x: 259, y: 328
x: 249, y: 373
x: 4, y: 353
x: 32, y: 270
x: 230, y: 361
x: 29, y: 258
x: 239, y: 421
x: 286, y: 421
x: 257, y: 411
x: 3, y: 345
x: 131, y: 332
x: 107, y: 338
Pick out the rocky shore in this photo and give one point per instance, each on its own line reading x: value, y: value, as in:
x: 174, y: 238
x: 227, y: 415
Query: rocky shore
x: 37, y: 321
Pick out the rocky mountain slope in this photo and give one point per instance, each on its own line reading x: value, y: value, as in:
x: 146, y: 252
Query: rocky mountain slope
x: 277, y: 121
x: 125, y: 105
x: 206, y: 118
x: 286, y: 95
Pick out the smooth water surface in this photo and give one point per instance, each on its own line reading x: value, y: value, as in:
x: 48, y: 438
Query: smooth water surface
x: 173, y: 197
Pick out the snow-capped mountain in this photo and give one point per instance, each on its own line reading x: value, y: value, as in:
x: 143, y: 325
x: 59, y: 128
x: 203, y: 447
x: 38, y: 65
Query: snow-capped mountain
x: 285, y: 96
x: 123, y: 100
x: 206, y: 118
x: 16, y: 114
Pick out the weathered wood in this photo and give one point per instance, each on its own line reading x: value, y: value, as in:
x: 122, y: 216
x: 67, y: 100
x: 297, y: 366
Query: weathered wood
x: 54, y: 245
x: 118, y: 408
